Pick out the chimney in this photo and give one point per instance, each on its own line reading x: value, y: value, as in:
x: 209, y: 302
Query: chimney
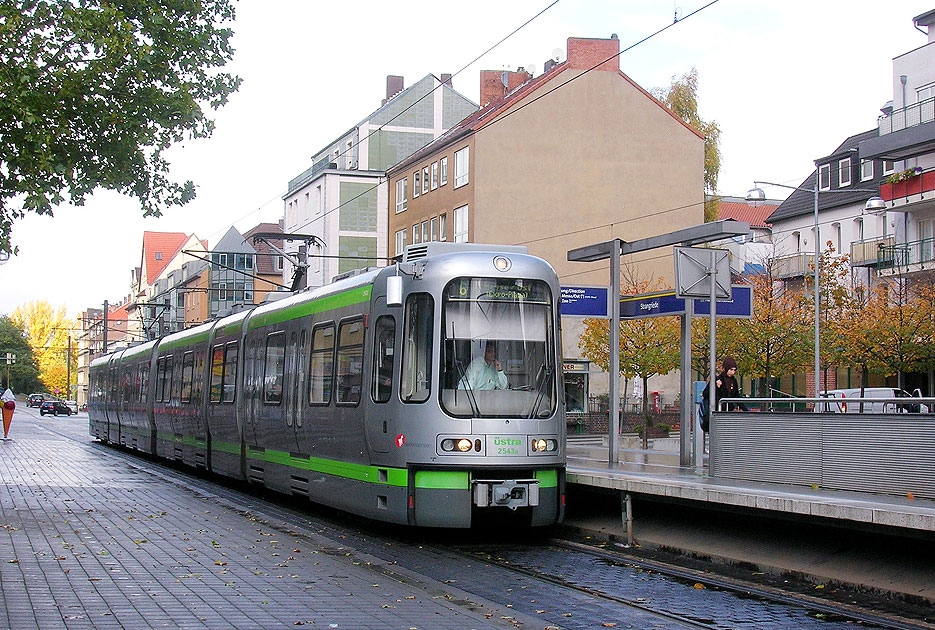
x: 394, y: 85
x: 496, y: 84
x: 586, y: 53
x: 446, y: 79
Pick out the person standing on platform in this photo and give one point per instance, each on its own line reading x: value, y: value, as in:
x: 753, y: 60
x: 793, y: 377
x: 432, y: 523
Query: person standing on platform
x: 725, y: 386
x: 9, y: 404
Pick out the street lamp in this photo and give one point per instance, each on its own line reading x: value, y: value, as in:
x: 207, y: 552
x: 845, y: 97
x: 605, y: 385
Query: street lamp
x: 756, y: 196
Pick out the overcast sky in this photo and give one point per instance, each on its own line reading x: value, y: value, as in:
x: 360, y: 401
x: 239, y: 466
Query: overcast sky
x: 786, y: 81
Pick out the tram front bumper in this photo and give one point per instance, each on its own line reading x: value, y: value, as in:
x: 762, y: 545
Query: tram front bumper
x: 511, y: 493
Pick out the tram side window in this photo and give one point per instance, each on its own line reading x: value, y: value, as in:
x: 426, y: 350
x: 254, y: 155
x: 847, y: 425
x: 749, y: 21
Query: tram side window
x: 321, y: 365
x: 275, y: 368
x: 176, y: 381
x: 188, y: 366
x: 416, y: 381
x: 199, y: 376
x: 144, y: 382
x: 384, y: 340
x: 350, y: 361
x: 230, y: 373
x: 217, y: 373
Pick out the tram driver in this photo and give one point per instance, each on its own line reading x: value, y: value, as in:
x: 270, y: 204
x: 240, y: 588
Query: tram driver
x: 484, y: 373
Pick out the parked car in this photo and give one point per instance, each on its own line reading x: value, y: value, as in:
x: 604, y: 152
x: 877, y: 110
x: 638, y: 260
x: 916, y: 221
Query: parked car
x: 35, y: 400
x: 73, y: 405
x: 54, y: 407
x: 873, y: 407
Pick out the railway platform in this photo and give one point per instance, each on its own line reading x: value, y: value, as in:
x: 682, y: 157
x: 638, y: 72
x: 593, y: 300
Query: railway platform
x: 877, y: 541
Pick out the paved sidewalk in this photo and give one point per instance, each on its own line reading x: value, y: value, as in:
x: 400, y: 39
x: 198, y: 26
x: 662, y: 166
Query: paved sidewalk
x: 90, y: 540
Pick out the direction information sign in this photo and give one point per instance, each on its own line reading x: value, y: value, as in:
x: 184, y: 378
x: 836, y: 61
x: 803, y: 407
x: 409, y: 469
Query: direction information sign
x: 585, y: 301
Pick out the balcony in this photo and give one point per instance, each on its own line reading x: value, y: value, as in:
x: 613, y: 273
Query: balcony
x: 866, y: 253
x: 910, y: 257
x: 911, y: 116
x: 793, y: 265
x: 911, y: 190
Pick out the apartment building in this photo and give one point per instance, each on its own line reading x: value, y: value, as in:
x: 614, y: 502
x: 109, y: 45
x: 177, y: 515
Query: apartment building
x: 341, y: 199
x: 579, y: 155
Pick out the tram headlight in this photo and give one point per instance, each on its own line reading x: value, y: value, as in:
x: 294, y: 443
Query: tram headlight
x: 502, y: 263
x: 462, y: 445
x: 543, y: 445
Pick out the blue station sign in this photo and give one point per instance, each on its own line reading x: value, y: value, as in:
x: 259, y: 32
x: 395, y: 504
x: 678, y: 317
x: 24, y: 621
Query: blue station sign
x: 584, y: 302
x: 740, y: 305
x: 592, y: 302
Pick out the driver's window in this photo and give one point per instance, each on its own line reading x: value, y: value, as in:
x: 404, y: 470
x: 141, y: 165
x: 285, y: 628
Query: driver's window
x: 384, y: 353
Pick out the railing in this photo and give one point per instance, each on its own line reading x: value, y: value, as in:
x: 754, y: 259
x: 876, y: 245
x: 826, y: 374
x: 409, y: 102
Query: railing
x: 911, y: 116
x: 922, y: 182
x: 867, y: 251
x: 793, y: 265
x: 905, y: 254
x: 831, y: 404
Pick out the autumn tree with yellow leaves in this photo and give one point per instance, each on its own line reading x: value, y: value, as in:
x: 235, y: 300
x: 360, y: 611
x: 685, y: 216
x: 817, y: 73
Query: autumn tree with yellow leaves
x: 48, y: 329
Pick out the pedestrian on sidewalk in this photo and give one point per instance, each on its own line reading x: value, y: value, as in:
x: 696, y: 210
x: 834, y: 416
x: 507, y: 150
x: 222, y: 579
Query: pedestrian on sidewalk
x: 9, y: 404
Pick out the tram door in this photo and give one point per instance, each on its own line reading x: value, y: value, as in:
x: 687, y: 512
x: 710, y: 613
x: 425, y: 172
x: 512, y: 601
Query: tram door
x: 381, y: 422
x: 295, y: 375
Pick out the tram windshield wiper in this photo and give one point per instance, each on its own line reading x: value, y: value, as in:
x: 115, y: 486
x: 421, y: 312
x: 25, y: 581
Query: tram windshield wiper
x: 475, y: 410
x: 546, y: 374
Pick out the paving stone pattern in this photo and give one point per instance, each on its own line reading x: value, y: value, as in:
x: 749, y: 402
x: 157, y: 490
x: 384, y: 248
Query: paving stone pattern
x: 89, y: 541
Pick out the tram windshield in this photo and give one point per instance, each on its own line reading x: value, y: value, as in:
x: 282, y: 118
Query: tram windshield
x: 498, y: 356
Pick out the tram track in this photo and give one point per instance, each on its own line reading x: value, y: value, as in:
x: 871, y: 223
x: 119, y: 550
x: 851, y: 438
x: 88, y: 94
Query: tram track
x: 817, y: 608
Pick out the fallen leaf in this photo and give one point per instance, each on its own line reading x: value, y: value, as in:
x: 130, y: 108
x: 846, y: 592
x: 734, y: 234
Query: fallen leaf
x: 699, y: 585
x: 910, y: 495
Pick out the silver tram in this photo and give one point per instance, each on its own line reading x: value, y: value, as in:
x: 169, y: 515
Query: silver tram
x: 364, y: 395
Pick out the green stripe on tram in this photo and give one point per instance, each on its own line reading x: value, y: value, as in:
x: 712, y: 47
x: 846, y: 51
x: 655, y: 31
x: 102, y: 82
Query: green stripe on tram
x: 443, y: 479
x: 225, y: 447
x: 339, y: 300
x: 547, y: 478
x: 347, y: 470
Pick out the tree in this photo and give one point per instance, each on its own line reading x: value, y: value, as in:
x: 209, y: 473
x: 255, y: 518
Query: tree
x: 903, y: 319
x: 647, y: 346
x: 24, y: 374
x: 47, y: 332
x: 93, y: 92
x: 682, y: 98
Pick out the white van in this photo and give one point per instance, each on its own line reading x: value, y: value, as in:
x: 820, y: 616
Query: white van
x: 873, y: 407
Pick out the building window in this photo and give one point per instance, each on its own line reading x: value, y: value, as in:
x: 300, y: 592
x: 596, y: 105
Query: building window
x: 222, y: 291
x: 319, y: 200
x: 425, y: 231
x: 844, y: 172
x: 248, y: 292
x: 443, y: 171
x: 462, y: 158
x: 400, y: 241
x: 925, y: 93
x: 425, y: 179
x: 402, y: 201
x: 461, y: 225
x: 416, y: 184
x: 443, y: 227
x: 279, y: 263
x: 416, y: 234
x: 219, y: 260
x: 866, y: 170
x: 158, y: 255
x: 859, y: 229
x: 434, y: 224
x: 797, y: 241
x: 243, y: 261
x: 889, y: 167
x: 836, y: 236
x: 434, y: 175
x: 824, y: 177
x: 180, y: 299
